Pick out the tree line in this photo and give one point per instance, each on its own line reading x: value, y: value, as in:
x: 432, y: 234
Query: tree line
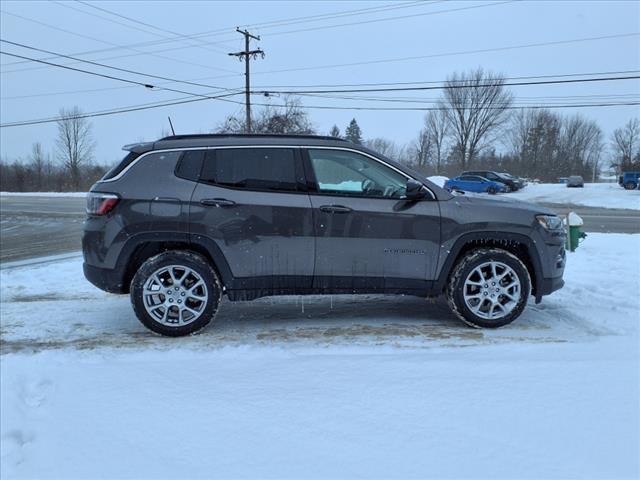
x: 70, y: 168
x: 473, y: 125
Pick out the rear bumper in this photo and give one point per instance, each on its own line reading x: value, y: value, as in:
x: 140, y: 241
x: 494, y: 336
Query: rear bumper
x: 109, y: 280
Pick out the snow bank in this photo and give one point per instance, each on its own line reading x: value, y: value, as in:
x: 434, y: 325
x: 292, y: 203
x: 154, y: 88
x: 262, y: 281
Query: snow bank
x: 438, y: 180
x: 605, y: 195
x: 43, y: 194
x: 350, y: 386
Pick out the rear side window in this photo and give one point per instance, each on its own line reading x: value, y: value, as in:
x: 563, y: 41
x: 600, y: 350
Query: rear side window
x: 190, y: 164
x: 273, y: 169
x: 126, y: 161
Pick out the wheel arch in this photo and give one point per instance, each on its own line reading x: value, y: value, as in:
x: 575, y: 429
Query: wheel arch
x: 139, y: 248
x: 518, y: 244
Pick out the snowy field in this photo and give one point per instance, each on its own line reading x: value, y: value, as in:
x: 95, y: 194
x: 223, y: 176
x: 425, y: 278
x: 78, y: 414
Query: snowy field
x: 605, y: 195
x: 368, y: 386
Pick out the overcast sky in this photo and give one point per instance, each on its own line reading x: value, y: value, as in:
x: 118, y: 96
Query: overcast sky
x: 308, y: 51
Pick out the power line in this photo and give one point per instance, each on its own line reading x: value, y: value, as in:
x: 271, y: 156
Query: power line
x: 519, y: 99
x: 377, y: 20
x: 447, y: 54
x: 178, y: 36
x: 265, y: 87
x: 120, y: 79
x: 443, y: 87
x: 425, y: 82
x: 135, y: 108
x: 322, y: 27
x: 224, y: 30
x: 517, y: 107
x: 88, y: 37
x: 90, y: 62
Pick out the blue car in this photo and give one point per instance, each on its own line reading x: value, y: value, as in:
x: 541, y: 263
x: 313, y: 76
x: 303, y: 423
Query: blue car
x: 629, y: 180
x: 474, y: 183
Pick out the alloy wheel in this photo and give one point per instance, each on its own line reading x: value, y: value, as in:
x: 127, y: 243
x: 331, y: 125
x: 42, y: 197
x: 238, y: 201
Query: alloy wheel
x: 175, y: 295
x: 492, y: 290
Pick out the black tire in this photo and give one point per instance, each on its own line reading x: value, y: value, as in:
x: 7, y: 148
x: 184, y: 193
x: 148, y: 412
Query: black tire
x: 630, y: 186
x: 464, y: 267
x: 492, y: 190
x: 201, y: 266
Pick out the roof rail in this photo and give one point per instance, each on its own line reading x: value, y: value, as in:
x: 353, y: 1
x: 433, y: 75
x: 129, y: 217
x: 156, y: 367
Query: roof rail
x: 196, y: 136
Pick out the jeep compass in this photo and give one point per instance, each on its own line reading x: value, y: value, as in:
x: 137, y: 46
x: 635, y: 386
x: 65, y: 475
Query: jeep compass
x: 182, y: 221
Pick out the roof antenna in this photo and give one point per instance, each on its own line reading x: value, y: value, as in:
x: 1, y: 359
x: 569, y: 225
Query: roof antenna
x: 173, y: 132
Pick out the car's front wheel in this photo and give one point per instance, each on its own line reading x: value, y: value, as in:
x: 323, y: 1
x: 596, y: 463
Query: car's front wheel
x: 175, y: 293
x: 488, y: 288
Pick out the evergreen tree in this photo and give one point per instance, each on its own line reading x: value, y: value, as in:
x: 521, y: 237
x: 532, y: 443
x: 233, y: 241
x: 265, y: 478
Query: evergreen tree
x: 353, y: 132
x: 334, y: 132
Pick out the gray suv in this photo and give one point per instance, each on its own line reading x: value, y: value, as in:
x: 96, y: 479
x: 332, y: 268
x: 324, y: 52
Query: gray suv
x: 182, y: 221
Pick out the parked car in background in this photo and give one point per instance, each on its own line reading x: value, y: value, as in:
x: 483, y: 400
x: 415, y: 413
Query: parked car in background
x: 575, y: 181
x: 629, y: 180
x: 475, y: 183
x: 512, y: 183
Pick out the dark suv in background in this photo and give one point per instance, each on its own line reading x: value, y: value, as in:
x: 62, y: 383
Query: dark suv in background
x: 513, y: 184
x: 182, y: 221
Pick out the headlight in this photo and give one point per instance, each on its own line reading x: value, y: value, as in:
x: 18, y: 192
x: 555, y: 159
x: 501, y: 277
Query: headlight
x: 550, y: 222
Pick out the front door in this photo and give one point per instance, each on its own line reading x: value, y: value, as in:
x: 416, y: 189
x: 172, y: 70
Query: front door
x: 251, y: 202
x: 367, y: 236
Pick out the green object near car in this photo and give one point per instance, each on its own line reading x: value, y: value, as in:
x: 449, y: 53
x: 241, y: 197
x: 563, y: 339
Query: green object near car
x: 575, y: 233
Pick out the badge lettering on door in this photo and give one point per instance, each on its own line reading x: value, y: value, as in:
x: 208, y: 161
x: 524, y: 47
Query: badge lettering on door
x: 408, y: 251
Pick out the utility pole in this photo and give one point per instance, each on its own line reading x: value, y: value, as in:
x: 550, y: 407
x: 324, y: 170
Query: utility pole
x: 247, y: 55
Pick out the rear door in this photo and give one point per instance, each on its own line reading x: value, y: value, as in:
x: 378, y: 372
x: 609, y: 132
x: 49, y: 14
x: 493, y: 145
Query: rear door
x: 252, y: 203
x: 367, y: 236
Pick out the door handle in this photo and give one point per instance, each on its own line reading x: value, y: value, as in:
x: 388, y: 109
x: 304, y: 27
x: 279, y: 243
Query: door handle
x: 335, y: 209
x: 217, y: 202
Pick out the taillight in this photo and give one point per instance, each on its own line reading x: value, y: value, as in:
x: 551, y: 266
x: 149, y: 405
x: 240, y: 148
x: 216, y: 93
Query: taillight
x: 101, y: 203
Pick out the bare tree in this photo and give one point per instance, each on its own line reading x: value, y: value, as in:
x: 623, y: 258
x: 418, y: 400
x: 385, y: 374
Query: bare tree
x: 476, y: 105
x: 421, y: 150
x: 625, y: 143
x: 75, y: 142
x: 289, y: 118
x: 533, y: 139
x: 37, y: 161
x: 437, y: 128
x: 580, y: 146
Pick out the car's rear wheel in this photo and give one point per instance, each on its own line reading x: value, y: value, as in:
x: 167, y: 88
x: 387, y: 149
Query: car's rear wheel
x: 175, y: 293
x: 489, y: 288
x: 630, y: 186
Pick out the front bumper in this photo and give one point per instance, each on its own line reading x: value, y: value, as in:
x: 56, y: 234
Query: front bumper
x: 547, y: 286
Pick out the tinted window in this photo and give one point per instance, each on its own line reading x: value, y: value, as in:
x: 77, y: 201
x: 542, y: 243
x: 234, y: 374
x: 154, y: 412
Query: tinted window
x: 469, y: 178
x: 126, y: 161
x: 252, y: 168
x: 190, y: 164
x: 348, y: 173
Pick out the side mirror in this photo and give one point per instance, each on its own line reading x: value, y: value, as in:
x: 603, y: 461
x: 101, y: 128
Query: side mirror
x: 415, y: 190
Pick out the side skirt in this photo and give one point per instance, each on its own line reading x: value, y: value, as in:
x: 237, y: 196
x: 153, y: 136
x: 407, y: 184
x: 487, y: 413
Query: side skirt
x: 244, y: 289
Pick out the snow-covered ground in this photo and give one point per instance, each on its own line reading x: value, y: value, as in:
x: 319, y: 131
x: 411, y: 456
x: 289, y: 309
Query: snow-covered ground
x: 43, y: 194
x: 605, y: 195
x: 332, y: 387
